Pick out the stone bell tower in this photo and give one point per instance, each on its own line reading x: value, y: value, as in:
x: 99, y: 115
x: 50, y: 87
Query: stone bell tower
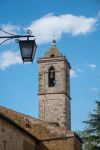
x: 54, y: 88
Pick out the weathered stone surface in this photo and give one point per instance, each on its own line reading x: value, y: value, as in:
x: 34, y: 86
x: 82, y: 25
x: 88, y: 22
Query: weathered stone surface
x: 16, y: 134
x: 61, y: 144
x: 13, y: 138
x: 54, y: 102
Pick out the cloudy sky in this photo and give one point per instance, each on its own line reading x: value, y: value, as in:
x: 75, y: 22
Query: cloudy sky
x: 75, y: 25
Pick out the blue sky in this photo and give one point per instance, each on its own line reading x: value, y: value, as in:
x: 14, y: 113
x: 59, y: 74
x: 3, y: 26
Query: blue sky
x: 76, y: 26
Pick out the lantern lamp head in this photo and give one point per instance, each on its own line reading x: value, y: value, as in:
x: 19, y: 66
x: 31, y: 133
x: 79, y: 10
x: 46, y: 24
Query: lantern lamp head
x: 28, y: 49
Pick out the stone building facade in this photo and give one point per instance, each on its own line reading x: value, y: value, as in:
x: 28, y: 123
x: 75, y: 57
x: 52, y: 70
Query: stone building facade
x: 52, y: 131
x: 12, y: 137
x: 21, y: 132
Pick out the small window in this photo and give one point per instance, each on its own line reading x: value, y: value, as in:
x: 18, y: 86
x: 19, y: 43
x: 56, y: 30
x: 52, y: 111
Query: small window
x: 67, y: 80
x: 51, y: 76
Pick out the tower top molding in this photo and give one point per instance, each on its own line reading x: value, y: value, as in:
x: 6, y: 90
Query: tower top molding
x: 53, y: 53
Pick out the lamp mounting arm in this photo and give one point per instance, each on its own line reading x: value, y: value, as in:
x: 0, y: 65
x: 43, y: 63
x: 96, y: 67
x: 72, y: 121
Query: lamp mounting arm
x: 12, y: 36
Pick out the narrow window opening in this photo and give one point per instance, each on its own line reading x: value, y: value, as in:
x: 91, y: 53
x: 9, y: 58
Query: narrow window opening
x: 51, y: 76
x: 52, y: 55
x: 67, y: 81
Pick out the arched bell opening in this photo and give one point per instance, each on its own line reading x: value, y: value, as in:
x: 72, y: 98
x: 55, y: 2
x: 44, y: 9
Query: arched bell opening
x: 51, y: 76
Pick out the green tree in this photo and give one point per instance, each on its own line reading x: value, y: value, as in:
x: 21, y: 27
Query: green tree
x: 91, y: 134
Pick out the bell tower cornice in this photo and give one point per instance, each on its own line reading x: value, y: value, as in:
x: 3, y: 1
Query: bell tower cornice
x: 55, y: 59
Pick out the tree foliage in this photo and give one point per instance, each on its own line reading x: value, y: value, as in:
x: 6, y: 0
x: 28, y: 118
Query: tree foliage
x: 91, y: 134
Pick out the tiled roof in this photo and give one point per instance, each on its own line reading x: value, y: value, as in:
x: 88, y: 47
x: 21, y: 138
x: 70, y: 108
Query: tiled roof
x: 53, y: 51
x: 35, y: 127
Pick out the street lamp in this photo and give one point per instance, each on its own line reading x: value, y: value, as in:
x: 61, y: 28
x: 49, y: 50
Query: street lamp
x: 27, y: 46
x: 28, y: 49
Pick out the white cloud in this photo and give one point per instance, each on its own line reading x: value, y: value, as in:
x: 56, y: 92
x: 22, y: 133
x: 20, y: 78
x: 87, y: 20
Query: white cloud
x: 94, y: 89
x: 44, y: 28
x: 98, y: 16
x: 10, y: 28
x: 79, y: 70
x: 9, y: 58
x: 73, y: 73
x: 49, y: 25
x: 92, y: 66
x: 13, y: 29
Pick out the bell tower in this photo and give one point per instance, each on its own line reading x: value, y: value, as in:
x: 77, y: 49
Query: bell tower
x: 54, y: 88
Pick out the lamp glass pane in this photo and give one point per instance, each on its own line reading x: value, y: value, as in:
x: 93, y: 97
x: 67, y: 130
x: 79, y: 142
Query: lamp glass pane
x: 28, y: 49
x: 33, y: 51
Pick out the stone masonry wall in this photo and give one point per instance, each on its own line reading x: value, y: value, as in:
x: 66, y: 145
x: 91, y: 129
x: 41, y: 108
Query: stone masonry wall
x: 12, y: 138
x: 60, y: 75
x: 54, y: 102
x: 61, y: 144
x: 54, y: 108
